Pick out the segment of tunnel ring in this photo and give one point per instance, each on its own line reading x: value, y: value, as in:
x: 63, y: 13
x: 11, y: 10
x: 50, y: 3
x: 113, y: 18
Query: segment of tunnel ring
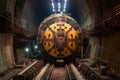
x: 45, y: 25
x: 49, y: 42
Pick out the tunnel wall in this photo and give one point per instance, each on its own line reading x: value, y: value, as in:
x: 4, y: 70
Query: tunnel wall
x: 3, y: 4
x: 110, y: 51
x: 20, y: 56
x: 6, y: 52
x: 104, y: 44
x: 94, y: 46
x: 106, y: 51
x: 20, y: 44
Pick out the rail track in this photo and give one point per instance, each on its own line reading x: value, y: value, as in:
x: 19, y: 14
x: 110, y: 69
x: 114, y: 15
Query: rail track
x: 11, y: 74
x: 51, y: 72
x: 38, y: 71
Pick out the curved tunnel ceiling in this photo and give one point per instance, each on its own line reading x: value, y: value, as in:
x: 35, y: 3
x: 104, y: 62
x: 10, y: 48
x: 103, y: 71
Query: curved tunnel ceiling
x: 35, y: 11
x: 30, y: 13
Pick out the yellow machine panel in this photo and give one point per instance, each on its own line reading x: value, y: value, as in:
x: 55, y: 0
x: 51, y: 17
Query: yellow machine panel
x: 66, y: 52
x: 54, y: 52
x: 63, y: 25
x: 48, y: 45
x: 72, y: 45
x: 72, y: 34
x: 48, y: 34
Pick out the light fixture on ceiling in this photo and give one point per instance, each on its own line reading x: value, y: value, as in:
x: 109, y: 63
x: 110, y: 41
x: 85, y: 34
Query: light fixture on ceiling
x: 61, y: 6
x: 53, y: 6
x: 65, y: 3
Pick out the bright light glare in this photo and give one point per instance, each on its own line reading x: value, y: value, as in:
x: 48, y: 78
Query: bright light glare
x: 26, y: 49
x: 35, y: 46
x: 65, y: 3
x: 63, y: 10
x: 59, y: 6
x: 53, y: 6
x: 53, y: 10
